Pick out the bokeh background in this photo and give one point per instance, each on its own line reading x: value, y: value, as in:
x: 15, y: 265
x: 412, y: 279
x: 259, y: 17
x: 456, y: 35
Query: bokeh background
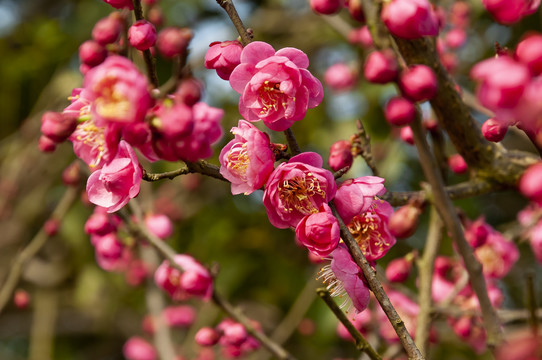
x: 89, y: 313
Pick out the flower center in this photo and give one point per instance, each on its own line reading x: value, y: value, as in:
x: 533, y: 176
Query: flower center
x: 297, y: 194
x: 111, y: 103
x: 367, y: 230
x: 271, y: 97
x: 491, y: 261
x: 92, y: 136
x: 238, y: 160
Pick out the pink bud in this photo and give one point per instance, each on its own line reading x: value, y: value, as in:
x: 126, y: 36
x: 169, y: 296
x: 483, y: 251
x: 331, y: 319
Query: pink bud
x: 148, y: 324
x: 442, y: 265
x: 181, y: 316
x: 223, y: 57
x: 459, y: 14
x: 233, y: 334
x: 21, y: 299
x: 71, y: 176
x: 456, y: 38
x: 326, y: 7
x: 46, y: 145
x: 91, y: 53
x: 159, y: 225
x: 399, y: 111
x: 137, y: 348
x: 510, y: 11
x: 361, y: 36
x: 99, y: 224
x: 107, y: 30
x: 404, y: 222
x: 494, y: 130
x: 173, y: 41
x: 418, y: 83
x: 57, y: 126
x: 529, y: 52
x: 410, y: 19
x: 529, y: 183
x: 457, y: 164
x: 142, y: 35
x: 340, y: 155
x: 381, y: 67
x: 189, y: 91
x: 356, y: 10
x: 108, y: 246
x: 51, y: 227
x: 207, y: 336
x: 155, y: 16
x: 476, y: 233
x: 340, y: 77
x: 462, y: 326
x: 407, y: 135
x: 398, y: 270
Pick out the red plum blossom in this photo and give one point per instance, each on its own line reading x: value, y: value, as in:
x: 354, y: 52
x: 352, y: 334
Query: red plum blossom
x: 510, y: 11
x: 137, y: 348
x: 223, y: 57
x: 410, y: 19
x: 340, y: 77
x: 319, y: 232
x: 340, y: 155
x: 296, y: 189
x: 355, y: 196
x: 247, y: 161
x: 142, y: 35
x: 275, y: 86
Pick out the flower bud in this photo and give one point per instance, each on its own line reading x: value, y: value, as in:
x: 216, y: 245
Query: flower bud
x: 457, y: 164
x: 57, y: 126
x: 99, y: 224
x: 71, y: 176
x: 529, y: 52
x: 159, y: 225
x: 361, y: 36
x: 46, y: 145
x: 189, y: 91
x: 340, y: 155
x: 406, y: 135
x: 418, y: 83
x: 155, y: 16
x: 356, y: 10
x: 476, y: 233
x: 508, y: 12
x: 142, y: 35
x: 399, y: 111
x: 529, y: 183
x: 410, y: 19
x: 207, y: 336
x: 108, y: 246
x: 455, y: 38
x: 233, y: 334
x: 404, y: 222
x: 326, y: 7
x: 181, y: 316
x: 51, y: 227
x: 442, y: 265
x: 107, y: 30
x: 120, y: 4
x: 398, y: 270
x: 223, y: 57
x: 91, y: 53
x: 493, y: 130
x: 137, y: 348
x: 21, y: 299
x: 340, y: 77
x: 462, y: 327
x: 381, y: 67
x: 459, y: 14
x: 173, y: 41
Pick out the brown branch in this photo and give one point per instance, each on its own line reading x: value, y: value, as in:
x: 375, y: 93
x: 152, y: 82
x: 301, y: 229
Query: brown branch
x: 199, y: 167
x: 450, y: 218
x: 33, y: 247
x: 147, y: 56
x: 425, y: 270
x: 361, y: 342
x: 376, y: 287
x: 292, y: 142
x: 228, y: 6
x: 361, y: 145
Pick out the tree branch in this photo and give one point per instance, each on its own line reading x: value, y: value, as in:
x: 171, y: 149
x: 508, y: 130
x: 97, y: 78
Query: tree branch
x: 147, y: 56
x: 228, y: 6
x: 199, y: 167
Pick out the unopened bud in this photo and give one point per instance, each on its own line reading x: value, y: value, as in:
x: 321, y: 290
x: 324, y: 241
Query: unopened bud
x: 400, y: 111
x: 21, y: 299
x: 457, y: 164
x: 142, y: 35
x: 407, y: 135
x: 51, y: 227
x: 340, y: 155
x: 207, y: 336
x: 418, y: 83
x: 107, y: 30
x: 71, y: 176
x: 494, y: 130
x: 46, y: 145
x: 381, y: 67
x: 91, y: 53
x: 173, y: 41
x: 57, y: 126
x: 404, y: 222
x: 398, y: 270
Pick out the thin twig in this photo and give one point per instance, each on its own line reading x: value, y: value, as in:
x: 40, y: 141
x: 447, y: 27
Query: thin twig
x: 292, y: 142
x: 361, y: 145
x: 200, y: 167
x: 376, y: 287
x: 33, y: 247
x: 361, y: 342
x: 228, y: 6
x: 426, y: 265
x: 147, y: 56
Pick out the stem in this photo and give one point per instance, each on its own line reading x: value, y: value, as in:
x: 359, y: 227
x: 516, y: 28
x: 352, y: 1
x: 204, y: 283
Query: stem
x: 425, y: 270
x: 33, y: 247
x: 450, y: 218
x: 531, y: 303
x: 292, y: 142
x: 228, y: 6
x: 147, y: 56
x: 43, y: 324
x: 376, y: 287
x: 362, y: 146
x: 199, y: 167
x: 361, y: 343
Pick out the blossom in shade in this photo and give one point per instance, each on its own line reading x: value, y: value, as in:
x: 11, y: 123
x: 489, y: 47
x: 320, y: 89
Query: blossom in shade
x: 371, y: 232
x: 181, y: 316
x: 118, y: 91
x: 117, y: 182
x: 107, y: 30
x: 340, y: 77
x: 160, y: 225
x: 194, y: 280
x: 275, y: 86
x: 344, y: 276
x: 410, y: 19
x: 319, y: 232
x: 510, y: 11
x: 247, y: 160
x: 497, y: 255
x: 296, y: 189
x: 355, y: 196
x: 137, y: 348
x: 223, y: 57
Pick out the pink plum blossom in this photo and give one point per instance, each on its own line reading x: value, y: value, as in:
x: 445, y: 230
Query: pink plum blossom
x: 173, y: 41
x: 181, y: 316
x: 355, y: 196
x: 497, y: 255
x: 107, y: 30
x: 410, y: 19
x: 120, y: 4
x: 160, y: 225
x: 381, y: 67
x: 247, y: 160
x: 275, y: 86
x: 404, y: 222
x: 406, y: 308
x: 117, y: 182
x: 137, y: 348
x: 510, y: 11
x: 296, y: 189
x: 340, y: 155
x: 118, y: 92
x: 529, y: 52
x: 418, y: 83
x: 493, y: 130
x: 91, y: 53
x: 319, y: 232
x: 223, y: 57
x: 370, y: 229
x: 142, y: 35
x: 340, y: 77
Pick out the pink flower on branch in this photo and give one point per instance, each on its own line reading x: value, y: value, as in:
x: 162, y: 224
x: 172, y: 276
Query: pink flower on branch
x: 275, y: 86
x: 223, y: 57
x: 319, y: 232
x: 117, y: 182
x: 247, y: 161
x: 296, y: 189
x: 355, y: 196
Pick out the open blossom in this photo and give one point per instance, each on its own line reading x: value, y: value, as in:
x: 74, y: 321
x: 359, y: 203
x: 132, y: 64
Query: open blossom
x: 344, y: 276
x: 497, y: 255
x: 275, y: 87
x: 194, y: 280
x: 223, y: 57
x: 355, y: 196
x: 117, y: 182
x: 296, y: 189
x: 319, y: 232
x: 118, y: 91
x: 371, y: 231
x: 247, y: 161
